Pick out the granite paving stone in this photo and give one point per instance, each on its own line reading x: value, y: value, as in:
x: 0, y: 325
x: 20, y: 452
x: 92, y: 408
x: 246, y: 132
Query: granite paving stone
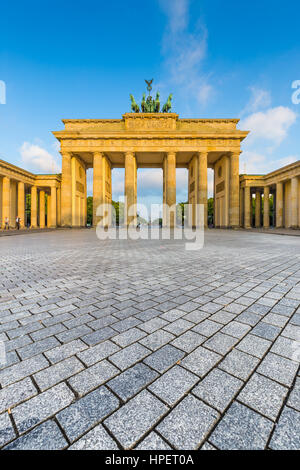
x: 164, y: 358
x: 263, y: 395
x: 46, y: 436
x: 38, y: 347
x: 287, y: 347
x: 200, y: 361
x: 64, y: 351
x: 128, y: 337
x: 22, y: 369
x: 239, y: 364
x: 173, y: 385
x: 16, y: 393
x: 128, y: 356
x: 207, y: 328
x: 188, y: 341
x: 96, y: 353
x: 220, y: 343
x: 146, y: 334
x: 241, y: 429
x: 294, y: 398
x: 254, y: 345
x: 57, y: 373
x: 236, y: 329
x: 7, y: 432
x: 157, y: 339
x: 130, y: 423
x: 39, y: 408
x: 278, y: 368
x: 218, y: 389
x: 92, y: 377
x: 96, y: 439
x: 184, y: 432
x: 153, y: 442
x: 287, y: 432
x: 132, y: 381
x: 97, y: 336
x: 82, y: 415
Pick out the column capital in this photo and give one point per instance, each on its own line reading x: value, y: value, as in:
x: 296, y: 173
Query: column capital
x: 65, y: 154
x: 235, y: 153
x: 97, y: 153
x: 203, y: 154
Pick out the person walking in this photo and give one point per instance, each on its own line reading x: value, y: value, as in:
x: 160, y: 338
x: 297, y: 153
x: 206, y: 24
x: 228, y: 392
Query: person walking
x: 6, y: 223
x: 18, y: 221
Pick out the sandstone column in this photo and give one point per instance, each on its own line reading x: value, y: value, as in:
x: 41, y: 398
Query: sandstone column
x: 247, y: 213
x: 130, y: 187
x: 49, y: 215
x: 266, y: 207
x: 171, y: 188
x: 279, y: 205
x: 234, y: 184
x: 294, y: 202
x: 164, y: 215
x: 58, y: 196
x: 66, y: 190
x: 202, y: 183
x: 42, y: 209
x: 242, y: 207
x: 5, y: 200
x: 21, y: 203
x: 97, y: 185
x: 53, y: 208
x: 257, y: 209
x: 33, y: 213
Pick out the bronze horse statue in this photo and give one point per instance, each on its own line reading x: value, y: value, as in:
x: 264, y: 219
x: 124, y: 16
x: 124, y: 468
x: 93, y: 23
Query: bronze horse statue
x: 134, y: 106
x: 167, y: 106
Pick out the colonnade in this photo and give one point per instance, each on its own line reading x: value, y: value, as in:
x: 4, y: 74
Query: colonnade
x: 41, y: 210
x: 255, y: 207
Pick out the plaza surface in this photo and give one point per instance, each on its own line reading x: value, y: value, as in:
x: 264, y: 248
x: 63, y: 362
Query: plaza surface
x: 142, y: 344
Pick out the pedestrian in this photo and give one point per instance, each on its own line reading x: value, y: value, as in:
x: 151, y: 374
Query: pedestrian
x: 6, y: 223
x: 18, y: 220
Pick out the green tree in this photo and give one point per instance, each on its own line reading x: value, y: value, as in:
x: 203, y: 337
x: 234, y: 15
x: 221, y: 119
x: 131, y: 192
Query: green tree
x: 89, y: 210
x: 210, y: 211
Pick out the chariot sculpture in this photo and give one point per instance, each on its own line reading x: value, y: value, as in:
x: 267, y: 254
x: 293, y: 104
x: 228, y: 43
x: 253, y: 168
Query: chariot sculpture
x: 149, y: 104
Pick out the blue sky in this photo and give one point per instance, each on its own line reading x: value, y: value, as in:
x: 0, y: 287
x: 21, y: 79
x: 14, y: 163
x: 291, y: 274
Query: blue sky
x: 82, y: 59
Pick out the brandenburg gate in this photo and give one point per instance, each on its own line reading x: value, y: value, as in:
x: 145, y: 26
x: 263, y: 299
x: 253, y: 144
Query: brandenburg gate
x: 150, y: 140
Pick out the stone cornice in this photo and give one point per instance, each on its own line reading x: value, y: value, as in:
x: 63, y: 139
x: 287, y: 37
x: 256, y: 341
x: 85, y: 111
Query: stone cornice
x: 149, y: 135
x: 19, y: 174
x: 280, y: 175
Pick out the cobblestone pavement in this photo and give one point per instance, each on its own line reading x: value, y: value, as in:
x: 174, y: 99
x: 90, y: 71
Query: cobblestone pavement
x: 141, y: 344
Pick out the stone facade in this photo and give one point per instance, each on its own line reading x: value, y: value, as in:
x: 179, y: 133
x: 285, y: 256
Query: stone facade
x: 255, y: 191
x: 15, y: 184
x: 152, y: 141
x: 157, y: 140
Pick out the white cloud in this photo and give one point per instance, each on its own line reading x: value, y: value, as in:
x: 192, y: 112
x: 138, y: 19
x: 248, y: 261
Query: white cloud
x: 37, y: 158
x: 177, y: 12
x: 271, y: 125
x: 185, y: 51
x: 260, y: 99
x: 255, y: 163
